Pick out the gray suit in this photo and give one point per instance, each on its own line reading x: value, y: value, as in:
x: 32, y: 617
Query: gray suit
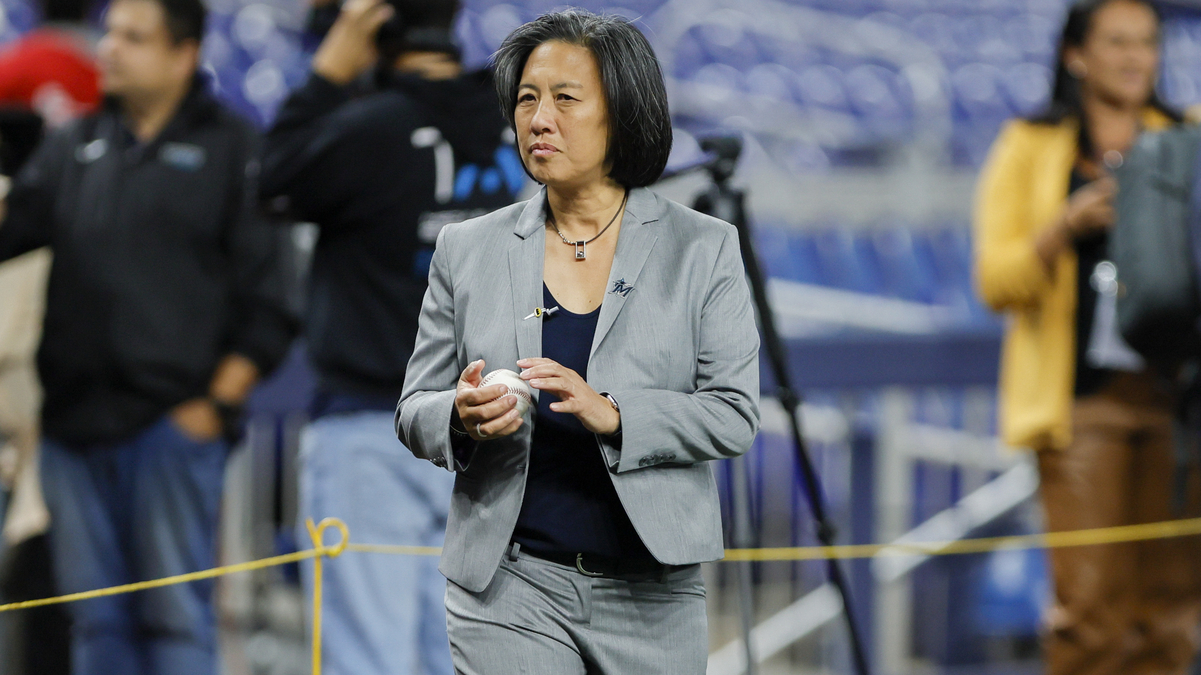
x: 676, y: 346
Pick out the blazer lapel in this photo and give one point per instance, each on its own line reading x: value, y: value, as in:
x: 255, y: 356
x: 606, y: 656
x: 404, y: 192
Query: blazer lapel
x: 634, y: 245
x: 525, y: 276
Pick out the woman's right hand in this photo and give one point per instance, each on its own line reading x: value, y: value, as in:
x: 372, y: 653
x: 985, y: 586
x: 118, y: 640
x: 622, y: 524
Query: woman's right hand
x: 1090, y: 209
x: 481, y: 410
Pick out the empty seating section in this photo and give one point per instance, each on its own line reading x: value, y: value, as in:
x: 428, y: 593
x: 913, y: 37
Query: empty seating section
x: 991, y: 60
x: 930, y: 265
x: 988, y: 60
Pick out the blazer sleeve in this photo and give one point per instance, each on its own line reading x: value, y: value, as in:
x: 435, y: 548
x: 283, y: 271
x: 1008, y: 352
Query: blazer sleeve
x: 720, y: 419
x: 1009, y: 273
x: 424, y: 410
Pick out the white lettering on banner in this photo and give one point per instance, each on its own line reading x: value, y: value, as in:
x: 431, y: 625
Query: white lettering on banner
x: 444, y: 161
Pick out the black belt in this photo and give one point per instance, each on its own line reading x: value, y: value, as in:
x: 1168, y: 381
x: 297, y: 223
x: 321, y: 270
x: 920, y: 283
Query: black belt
x: 593, y: 565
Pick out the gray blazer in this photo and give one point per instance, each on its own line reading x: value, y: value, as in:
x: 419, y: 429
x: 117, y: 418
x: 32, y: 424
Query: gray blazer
x: 676, y: 345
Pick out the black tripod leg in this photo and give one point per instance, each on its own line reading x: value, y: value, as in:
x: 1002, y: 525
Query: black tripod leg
x: 728, y: 204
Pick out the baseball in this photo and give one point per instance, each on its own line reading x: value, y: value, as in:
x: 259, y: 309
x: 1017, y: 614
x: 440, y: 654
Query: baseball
x: 516, y: 386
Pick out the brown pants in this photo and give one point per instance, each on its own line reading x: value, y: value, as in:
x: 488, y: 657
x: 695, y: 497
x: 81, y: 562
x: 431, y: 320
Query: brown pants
x: 1134, y: 608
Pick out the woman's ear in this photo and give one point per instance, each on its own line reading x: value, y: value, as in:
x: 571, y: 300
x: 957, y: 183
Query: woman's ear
x: 1074, y: 63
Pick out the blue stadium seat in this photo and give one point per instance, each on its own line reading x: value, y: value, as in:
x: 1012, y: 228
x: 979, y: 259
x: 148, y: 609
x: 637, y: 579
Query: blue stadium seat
x: 791, y: 54
x: 885, y: 111
x: 902, y: 271
x: 724, y: 41
x: 497, y: 21
x: 822, y: 86
x: 772, y: 247
x: 771, y: 80
x: 976, y: 88
x: 1027, y: 86
x: 806, y: 265
x: 844, y: 261
x: 689, y: 56
x: 935, y: 30
x: 721, y: 84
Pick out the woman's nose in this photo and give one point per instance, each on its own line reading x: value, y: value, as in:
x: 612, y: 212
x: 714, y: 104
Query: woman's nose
x: 543, y: 120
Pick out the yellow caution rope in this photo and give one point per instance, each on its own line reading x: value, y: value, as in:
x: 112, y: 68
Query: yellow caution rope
x: 1093, y: 537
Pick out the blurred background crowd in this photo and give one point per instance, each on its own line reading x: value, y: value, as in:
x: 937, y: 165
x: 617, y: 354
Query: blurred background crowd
x: 864, y: 124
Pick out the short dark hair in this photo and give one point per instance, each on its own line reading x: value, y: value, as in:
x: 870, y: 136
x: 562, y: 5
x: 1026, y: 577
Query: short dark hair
x: 185, y: 19
x: 68, y: 11
x: 639, y: 119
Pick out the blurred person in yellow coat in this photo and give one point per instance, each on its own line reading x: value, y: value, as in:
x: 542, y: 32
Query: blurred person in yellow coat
x: 1100, y: 421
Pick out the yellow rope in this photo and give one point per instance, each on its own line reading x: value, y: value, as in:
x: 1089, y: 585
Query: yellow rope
x: 317, y: 534
x: 169, y: 581
x: 1105, y: 535
x: 1093, y: 537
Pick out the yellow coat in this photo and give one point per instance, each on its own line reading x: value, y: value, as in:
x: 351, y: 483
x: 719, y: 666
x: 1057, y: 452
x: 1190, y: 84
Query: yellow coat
x: 1021, y: 191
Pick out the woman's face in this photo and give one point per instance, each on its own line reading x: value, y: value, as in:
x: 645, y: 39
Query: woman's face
x: 1120, y: 54
x: 562, y: 117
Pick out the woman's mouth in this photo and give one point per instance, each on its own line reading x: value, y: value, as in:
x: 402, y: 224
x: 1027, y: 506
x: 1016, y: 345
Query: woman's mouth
x: 543, y: 150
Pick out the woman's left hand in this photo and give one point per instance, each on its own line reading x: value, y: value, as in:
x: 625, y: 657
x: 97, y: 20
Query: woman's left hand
x: 575, y: 396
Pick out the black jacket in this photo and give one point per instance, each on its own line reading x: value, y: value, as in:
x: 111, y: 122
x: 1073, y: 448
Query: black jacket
x: 381, y: 174
x: 162, y: 265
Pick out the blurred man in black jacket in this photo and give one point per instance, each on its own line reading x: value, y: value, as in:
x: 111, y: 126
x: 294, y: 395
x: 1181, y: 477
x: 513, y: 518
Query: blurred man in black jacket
x: 380, y: 174
x: 165, y: 306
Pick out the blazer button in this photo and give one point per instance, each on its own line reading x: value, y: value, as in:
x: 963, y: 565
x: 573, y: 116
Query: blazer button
x: 645, y: 461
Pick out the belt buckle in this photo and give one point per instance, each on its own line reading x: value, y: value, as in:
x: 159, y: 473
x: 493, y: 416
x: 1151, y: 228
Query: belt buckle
x: 579, y: 565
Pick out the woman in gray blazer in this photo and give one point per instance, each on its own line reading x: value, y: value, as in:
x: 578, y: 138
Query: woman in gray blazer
x: 574, y: 536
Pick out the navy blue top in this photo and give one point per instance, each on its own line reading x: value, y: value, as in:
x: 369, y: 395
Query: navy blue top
x: 1091, y: 249
x: 570, y: 505
x: 326, y: 402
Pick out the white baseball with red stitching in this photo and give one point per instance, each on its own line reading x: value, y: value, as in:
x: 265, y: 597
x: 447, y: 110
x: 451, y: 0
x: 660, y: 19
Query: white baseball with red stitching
x: 516, y: 387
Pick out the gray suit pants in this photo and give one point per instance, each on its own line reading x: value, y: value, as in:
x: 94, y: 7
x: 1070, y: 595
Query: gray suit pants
x: 541, y: 618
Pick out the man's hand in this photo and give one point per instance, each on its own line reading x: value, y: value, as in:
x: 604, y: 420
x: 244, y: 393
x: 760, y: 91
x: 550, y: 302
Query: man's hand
x: 198, y: 418
x: 349, y: 49
x: 575, y: 395
x: 482, y: 411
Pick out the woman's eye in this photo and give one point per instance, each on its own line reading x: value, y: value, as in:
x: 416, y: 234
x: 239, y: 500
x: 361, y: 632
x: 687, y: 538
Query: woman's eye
x: 565, y: 97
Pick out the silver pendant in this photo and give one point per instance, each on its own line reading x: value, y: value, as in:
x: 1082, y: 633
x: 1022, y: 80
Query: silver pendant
x: 580, y: 253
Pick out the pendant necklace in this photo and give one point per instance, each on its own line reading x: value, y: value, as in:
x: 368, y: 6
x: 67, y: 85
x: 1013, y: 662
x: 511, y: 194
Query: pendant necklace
x: 581, y: 252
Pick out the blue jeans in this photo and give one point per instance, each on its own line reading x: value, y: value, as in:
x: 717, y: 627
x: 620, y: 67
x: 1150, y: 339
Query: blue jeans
x: 382, y: 614
x: 132, y: 511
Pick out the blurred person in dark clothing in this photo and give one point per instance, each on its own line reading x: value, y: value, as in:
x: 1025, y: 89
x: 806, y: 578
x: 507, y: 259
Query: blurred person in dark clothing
x: 380, y: 174
x: 33, y: 641
x: 165, y: 306
x: 1098, y: 417
x: 48, y: 77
